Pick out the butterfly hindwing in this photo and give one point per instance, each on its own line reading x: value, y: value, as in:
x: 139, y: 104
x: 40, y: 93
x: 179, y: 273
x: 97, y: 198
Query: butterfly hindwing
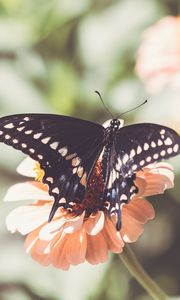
x: 66, y: 148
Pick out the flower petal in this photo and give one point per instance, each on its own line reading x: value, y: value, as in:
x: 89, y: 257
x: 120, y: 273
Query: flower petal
x: 49, y: 230
x: 139, y: 209
x: 94, y: 224
x: 26, y: 167
x: 26, y: 190
x: 131, y: 228
x: 97, y: 249
x: 134, y: 214
x: 27, y: 218
x: 58, y: 253
x: 76, y: 247
x: 112, y: 236
x: 74, y: 224
x: 157, y: 178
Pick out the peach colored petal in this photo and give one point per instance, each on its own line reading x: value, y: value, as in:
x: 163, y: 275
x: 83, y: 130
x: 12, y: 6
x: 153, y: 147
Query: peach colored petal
x: 76, y: 247
x: 25, y: 191
x: 112, y: 236
x: 40, y: 257
x: 131, y: 229
x: 27, y: 218
x: 49, y: 230
x: 154, y: 179
x: 58, y: 253
x: 134, y: 214
x: 26, y: 167
x: 30, y: 240
x: 74, y: 224
x: 139, y: 209
x: 97, y: 249
x: 94, y: 224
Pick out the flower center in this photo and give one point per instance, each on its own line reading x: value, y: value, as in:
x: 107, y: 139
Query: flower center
x: 39, y: 172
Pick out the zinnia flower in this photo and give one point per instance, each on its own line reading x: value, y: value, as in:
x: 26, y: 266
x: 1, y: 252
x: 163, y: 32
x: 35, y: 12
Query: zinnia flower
x: 158, y: 60
x: 69, y: 239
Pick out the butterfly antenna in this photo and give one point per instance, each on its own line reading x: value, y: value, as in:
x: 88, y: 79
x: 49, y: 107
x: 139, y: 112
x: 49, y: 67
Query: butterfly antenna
x: 107, y: 109
x: 133, y: 109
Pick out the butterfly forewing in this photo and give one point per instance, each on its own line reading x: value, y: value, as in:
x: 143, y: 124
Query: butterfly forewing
x: 142, y: 144
x: 66, y: 148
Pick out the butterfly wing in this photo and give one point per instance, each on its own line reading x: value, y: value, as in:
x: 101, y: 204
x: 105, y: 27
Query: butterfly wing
x: 135, y: 146
x: 141, y: 144
x: 66, y: 148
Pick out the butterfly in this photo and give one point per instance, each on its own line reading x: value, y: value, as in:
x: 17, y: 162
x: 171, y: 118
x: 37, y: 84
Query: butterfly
x: 68, y: 149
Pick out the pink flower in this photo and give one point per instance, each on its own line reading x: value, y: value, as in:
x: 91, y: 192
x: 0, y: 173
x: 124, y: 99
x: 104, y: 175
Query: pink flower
x: 70, y: 240
x: 158, y: 60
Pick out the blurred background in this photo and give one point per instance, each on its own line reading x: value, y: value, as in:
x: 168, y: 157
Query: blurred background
x: 53, y: 56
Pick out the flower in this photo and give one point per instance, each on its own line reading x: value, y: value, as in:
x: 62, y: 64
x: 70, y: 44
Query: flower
x: 69, y: 239
x: 158, y: 59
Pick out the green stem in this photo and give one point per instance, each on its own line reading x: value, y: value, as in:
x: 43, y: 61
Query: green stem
x: 132, y: 264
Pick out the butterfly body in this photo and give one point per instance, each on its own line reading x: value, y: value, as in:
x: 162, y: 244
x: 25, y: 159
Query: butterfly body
x: 72, y: 151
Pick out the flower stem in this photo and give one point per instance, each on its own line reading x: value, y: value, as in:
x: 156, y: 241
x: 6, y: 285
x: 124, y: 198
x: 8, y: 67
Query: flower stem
x: 132, y: 264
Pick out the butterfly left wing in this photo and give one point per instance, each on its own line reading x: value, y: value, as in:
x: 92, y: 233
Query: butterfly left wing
x: 66, y: 148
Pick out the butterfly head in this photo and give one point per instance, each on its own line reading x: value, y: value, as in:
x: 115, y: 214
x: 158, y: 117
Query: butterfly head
x: 114, y: 123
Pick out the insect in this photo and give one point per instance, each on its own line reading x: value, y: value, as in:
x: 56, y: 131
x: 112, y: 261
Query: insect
x: 68, y: 150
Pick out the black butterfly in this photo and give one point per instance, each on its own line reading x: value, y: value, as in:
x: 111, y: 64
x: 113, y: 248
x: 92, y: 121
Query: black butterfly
x: 68, y: 149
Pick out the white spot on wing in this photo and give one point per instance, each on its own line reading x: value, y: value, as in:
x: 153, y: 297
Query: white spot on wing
x: 55, y: 190
x: 176, y: 148
x: 142, y: 162
x: 15, y: 141
x: 7, y: 136
x: 123, y: 197
x: 20, y: 128
x: 169, y: 150
x: 26, y: 119
x: 31, y: 150
x: 1, y: 132
x: 168, y: 142
x: 134, y: 167
x: 153, y: 144
x: 148, y: 159
x: 28, y: 131
x: 132, y: 153
x: 160, y: 143
x: 139, y: 149
x: 24, y: 145
x: 45, y: 140
x: 155, y: 156
x: 162, y: 131
x: 63, y: 151
x: 62, y: 200
x: 37, y: 135
x: 125, y: 158
x: 54, y: 145
x: 10, y: 125
x: 50, y: 179
x: 146, y: 146
x: 163, y: 153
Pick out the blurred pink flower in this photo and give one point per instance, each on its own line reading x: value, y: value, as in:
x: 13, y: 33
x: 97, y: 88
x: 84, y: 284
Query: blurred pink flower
x: 69, y: 239
x: 158, y: 59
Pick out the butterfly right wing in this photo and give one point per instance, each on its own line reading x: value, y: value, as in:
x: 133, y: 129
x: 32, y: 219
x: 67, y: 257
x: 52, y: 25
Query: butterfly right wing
x: 66, y: 148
